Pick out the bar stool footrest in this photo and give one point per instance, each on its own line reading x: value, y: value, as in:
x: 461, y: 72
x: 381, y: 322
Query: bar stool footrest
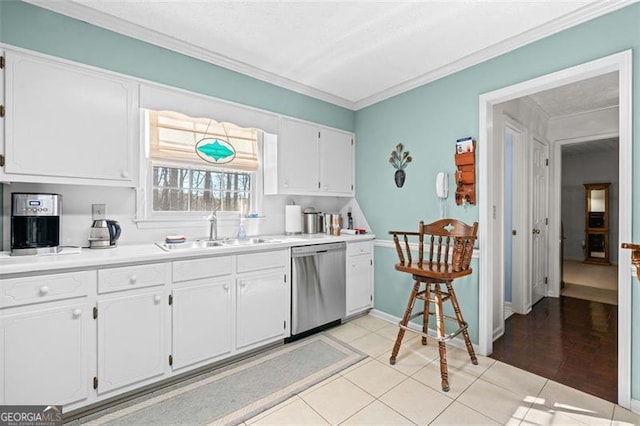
x: 444, y: 338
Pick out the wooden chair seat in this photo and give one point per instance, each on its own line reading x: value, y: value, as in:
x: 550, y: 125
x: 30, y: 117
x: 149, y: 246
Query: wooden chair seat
x: 439, y: 272
x: 450, y: 247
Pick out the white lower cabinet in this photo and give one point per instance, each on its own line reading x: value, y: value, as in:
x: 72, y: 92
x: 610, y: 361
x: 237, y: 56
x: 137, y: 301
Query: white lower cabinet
x: 44, y: 354
x: 82, y: 337
x: 131, y: 338
x: 201, y: 321
x: 359, y: 277
x: 261, y: 308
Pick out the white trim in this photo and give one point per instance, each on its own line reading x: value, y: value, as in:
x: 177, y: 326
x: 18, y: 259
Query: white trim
x: 84, y: 13
x: 621, y: 62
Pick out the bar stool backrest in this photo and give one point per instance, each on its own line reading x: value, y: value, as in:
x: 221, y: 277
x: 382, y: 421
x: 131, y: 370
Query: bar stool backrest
x: 450, y: 242
x: 448, y: 236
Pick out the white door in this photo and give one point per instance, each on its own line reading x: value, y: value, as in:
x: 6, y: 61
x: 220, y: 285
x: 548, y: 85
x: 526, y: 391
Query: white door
x: 298, y: 165
x: 131, y: 333
x: 52, y: 105
x: 539, y: 219
x: 359, y: 283
x: 260, y: 308
x: 336, y: 162
x: 44, y: 355
x: 201, y: 323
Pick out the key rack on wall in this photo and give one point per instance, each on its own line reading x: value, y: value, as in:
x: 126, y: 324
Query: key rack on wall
x: 465, y: 158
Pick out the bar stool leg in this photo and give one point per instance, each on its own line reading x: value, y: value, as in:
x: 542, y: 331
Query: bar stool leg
x: 425, y: 319
x: 404, y: 322
x: 442, y: 347
x: 460, y: 319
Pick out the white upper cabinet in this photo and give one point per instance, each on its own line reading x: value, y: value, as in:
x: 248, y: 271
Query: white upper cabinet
x: 309, y: 159
x: 68, y: 123
x: 336, y: 162
x: 298, y: 165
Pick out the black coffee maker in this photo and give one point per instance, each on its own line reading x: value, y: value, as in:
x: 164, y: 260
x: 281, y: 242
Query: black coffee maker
x: 35, y: 223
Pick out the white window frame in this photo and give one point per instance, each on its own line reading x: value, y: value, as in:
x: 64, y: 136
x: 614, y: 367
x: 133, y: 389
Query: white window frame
x: 147, y: 218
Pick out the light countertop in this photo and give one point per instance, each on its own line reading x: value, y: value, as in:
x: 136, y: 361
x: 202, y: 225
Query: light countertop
x: 140, y: 253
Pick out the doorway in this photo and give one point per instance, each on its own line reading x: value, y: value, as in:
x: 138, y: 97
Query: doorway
x: 491, y: 201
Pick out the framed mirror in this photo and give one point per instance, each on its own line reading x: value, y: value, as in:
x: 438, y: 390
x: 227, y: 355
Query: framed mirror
x: 597, y: 223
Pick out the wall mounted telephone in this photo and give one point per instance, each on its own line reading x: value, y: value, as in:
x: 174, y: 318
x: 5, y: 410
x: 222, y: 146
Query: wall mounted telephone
x: 442, y: 185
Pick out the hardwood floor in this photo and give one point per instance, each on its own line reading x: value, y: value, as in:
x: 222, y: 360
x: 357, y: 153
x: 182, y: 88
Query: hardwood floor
x: 571, y: 341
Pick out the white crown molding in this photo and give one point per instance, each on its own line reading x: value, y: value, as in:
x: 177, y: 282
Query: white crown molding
x: 94, y: 17
x: 121, y: 26
x: 580, y: 16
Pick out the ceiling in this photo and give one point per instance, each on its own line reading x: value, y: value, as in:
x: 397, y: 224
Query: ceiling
x: 350, y: 53
x: 592, y: 94
x: 591, y: 147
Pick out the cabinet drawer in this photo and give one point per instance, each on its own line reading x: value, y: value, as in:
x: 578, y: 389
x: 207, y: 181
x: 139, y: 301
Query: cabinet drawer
x: 363, y: 247
x: 264, y: 260
x: 184, y: 270
x: 44, y: 288
x: 129, y: 277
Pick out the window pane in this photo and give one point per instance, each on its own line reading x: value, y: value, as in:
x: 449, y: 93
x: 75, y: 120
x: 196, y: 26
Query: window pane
x: 203, y: 201
x: 170, y: 200
x: 177, y: 189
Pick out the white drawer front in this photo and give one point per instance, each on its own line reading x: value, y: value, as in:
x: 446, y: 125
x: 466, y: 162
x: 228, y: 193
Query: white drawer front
x: 362, y: 247
x: 44, y: 288
x: 184, y: 270
x: 264, y: 260
x: 130, y: 277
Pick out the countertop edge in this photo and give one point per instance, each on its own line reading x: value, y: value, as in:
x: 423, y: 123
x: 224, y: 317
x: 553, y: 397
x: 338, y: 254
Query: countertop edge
x: 150, y: 253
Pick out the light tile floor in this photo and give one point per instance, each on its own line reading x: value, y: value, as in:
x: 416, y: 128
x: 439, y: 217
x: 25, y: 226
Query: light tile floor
x: 373, y: 392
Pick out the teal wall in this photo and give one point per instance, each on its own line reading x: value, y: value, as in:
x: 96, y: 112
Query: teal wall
x: 41, y: 30
x: 429, y: 119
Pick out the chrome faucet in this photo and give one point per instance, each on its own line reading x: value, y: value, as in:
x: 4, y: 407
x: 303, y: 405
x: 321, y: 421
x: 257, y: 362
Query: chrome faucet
x: 213, y: 226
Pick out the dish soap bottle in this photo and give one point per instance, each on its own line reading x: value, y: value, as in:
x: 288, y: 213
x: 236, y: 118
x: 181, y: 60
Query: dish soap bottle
x: 241, y: 233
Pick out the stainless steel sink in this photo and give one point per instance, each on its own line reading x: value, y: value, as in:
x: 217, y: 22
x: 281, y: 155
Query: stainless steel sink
x: 244, y: 241
x: 200, y: 244
x: 190, y: 245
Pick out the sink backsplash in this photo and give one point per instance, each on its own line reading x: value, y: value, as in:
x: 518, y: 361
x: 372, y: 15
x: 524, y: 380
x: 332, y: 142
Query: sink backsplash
x: 121, y: 206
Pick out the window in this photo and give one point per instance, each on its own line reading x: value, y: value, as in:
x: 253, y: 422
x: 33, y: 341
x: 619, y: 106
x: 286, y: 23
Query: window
x: 199, y: 165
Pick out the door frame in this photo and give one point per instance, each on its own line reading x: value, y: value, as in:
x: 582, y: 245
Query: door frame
x: 490, y: 197
x: 519, y: 222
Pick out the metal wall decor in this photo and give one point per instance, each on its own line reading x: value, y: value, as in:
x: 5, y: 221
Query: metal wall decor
x: 399, y: 161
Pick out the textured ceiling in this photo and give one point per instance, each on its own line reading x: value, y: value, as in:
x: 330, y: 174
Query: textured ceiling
x: 591, y: 147
x: 351, y: 53
x: 586, y: 95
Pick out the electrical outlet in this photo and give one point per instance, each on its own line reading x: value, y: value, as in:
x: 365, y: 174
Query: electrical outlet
x: 98, y: 211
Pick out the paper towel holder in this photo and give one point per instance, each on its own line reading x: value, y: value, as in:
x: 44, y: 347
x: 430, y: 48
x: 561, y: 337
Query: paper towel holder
x: 292, y: 219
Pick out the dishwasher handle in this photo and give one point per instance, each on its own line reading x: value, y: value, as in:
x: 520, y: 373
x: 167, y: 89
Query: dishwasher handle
x: 317, y: 248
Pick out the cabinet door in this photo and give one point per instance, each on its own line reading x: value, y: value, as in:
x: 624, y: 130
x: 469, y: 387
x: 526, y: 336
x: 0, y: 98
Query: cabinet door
x: 298, y: 157
x: 261, y: 308
x: 336, y: 162
x: 201, y: 321
x: 44, y: 356
x: 69, y: 122
x: 131, y: 344
x: 359, y: 283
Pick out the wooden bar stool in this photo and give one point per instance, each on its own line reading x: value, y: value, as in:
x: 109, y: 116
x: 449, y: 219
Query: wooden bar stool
x: 450, y: 245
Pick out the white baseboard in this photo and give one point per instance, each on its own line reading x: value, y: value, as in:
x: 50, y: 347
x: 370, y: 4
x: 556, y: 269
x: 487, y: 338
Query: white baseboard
x: 458, y: 342
x: 508, y: 311
x: 635, y: 406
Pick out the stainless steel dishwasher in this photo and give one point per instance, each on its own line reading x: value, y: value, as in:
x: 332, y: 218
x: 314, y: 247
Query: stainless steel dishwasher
x: 318, y: 296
